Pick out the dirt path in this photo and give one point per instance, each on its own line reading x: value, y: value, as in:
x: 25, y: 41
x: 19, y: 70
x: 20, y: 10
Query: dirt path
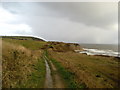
x: 49, y: 80
x: 57, y: 81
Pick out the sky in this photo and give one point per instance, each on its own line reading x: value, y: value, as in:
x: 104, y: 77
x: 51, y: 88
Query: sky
x: 81, y: 22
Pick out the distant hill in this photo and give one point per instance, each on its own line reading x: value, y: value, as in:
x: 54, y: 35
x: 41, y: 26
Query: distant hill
x: 56, y: 46
x: 22, y: 38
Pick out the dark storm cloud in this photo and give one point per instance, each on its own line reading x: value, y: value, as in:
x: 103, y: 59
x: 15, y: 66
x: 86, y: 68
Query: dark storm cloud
x: 96, y: 14
x: 89, y: 22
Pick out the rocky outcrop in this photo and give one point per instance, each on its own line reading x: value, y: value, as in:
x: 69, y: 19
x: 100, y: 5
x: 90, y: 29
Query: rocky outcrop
x: 62, y: 47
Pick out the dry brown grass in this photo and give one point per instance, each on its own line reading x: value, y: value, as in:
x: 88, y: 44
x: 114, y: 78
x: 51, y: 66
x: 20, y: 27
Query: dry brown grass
x: 16, y: 64
x: 94, y: 71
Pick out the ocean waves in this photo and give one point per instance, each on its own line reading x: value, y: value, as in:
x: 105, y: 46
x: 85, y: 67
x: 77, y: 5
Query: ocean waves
x: 99, y: 52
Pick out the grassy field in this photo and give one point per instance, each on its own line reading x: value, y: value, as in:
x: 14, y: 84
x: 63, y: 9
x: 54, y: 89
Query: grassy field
x: 23, y: 66
x: 94, y: 71
x: 27, y: 43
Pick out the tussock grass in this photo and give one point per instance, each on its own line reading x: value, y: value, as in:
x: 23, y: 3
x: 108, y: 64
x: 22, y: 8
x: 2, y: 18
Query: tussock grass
x: 20, y: 65
x: 37, y: 77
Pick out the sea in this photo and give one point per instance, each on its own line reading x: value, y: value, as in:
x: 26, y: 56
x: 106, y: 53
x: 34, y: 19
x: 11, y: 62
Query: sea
x: 100, y: 49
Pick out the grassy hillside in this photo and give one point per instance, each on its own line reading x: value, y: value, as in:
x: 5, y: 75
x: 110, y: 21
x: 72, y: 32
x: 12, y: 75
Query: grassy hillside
x: 94, y: 71
x: 22, y: 38
x: 22, y: 63
x: 24, y: 67
x: 28, y: 42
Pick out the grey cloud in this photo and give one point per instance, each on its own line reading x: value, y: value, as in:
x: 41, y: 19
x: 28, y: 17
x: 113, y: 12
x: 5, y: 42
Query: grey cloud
x: 68, y: 21
x: 96, y: 14
x: 63, y: 30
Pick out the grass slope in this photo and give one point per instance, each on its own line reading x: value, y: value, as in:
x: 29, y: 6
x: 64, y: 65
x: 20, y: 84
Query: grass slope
x: 23, y: 66
x: 30, y: 44
x: 94, y: 71
x: 22, y: 38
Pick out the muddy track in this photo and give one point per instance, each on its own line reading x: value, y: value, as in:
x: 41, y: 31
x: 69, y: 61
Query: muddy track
x: 53, y: 79
x: 48, y: 77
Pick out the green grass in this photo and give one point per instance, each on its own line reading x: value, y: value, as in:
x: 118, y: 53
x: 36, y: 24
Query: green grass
x: 30, y: 44
x: 37, y: 77
x: 24, y: 66
x: 22, y: 37
x: 65, y: 74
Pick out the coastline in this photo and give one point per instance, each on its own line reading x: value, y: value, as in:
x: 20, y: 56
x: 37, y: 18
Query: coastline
x: 97, y: 52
